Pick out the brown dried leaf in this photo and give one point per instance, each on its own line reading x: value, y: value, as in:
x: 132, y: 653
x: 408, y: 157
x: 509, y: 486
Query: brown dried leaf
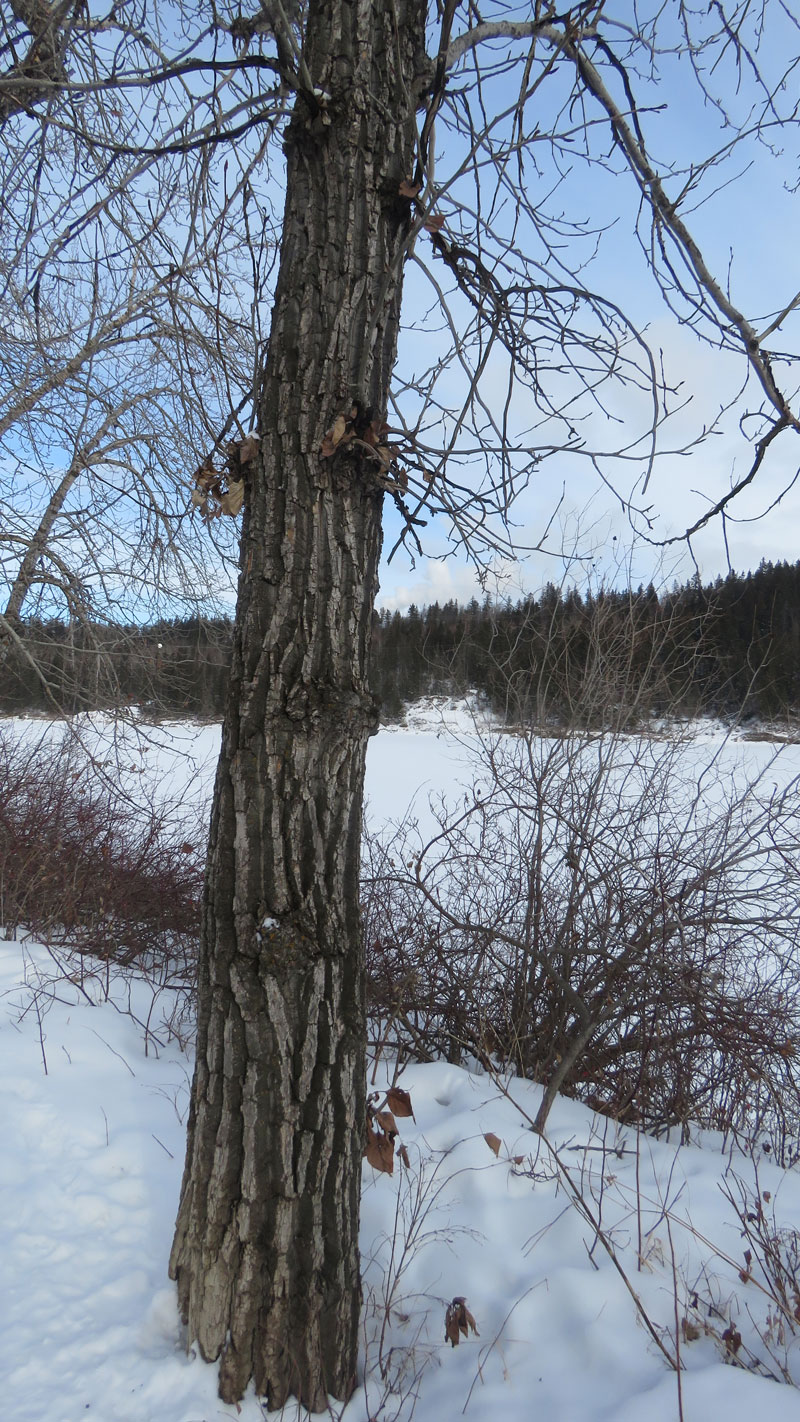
x: 403, y: 1155
x: 428, y: 476
x: 452, y: 1334
x: 334, y: 436
x: 206, y: 477
x: 434, y: 223
x: 689, y: 1330
x: 732, y: 1339
x: 409, y: 189
x: 231, y: 502
x: 458, y: 1320
x: 187, y: 848
x: 248, y: 449
x: 384, y: 453
x: 494, y: 1142
x: 379, y: 1151
x: 337, y: 429
x: 375, y: 432
x: 399, y: 1102
x: 198, y: 498
x: 387, y: 1122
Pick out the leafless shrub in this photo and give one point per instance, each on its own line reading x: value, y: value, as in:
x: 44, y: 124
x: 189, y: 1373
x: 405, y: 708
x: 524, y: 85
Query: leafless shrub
x: 771, y: 1254
x: 609, y: 911
x: 83, y: 865
x: 591, y: 920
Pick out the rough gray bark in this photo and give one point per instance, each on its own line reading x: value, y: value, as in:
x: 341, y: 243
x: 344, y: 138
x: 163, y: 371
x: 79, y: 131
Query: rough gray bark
x: 266, y: 1243
x: 36, y: 76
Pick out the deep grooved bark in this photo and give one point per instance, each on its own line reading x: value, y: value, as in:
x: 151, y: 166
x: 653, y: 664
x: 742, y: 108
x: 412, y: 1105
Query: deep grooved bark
x: 266, y: 1244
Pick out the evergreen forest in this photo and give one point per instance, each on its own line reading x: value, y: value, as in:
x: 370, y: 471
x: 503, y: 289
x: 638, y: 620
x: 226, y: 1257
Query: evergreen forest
x: 731, y: 648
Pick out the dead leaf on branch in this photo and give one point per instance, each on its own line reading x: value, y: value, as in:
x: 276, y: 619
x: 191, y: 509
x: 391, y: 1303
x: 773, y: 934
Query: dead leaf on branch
x: 457, y: 1321
x: 494, y: 1142
x: 206, y: 475
x: 387, y: 1122
x: 399, y: 1102
x: 732, y: 1339
x: 379, y: 1150
x: 382, y: 1132
x: 231, y: 501
x: 334, y: 436
x: 364, y: 431
x: 434, y: 223
x: 689, y: 1330
x: 375, y: 431
x: 248, y: 449
x: 215, y: 494
x: 409, y: 190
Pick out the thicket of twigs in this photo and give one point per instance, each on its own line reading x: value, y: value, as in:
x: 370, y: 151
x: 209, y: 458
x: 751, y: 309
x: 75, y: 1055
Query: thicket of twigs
x: 586, y: 919
x: 85, y: 866
x: 604, y: 913
x: 607, y: 911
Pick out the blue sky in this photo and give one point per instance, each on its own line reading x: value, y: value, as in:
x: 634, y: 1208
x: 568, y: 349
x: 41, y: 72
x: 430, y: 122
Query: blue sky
x: 747, y: 229
x: 746, y: 225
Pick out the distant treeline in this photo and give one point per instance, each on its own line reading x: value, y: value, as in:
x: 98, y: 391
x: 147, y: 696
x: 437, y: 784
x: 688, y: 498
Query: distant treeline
x: 730, y: 648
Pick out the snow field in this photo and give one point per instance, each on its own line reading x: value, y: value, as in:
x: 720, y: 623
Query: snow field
x: 90, y: 1172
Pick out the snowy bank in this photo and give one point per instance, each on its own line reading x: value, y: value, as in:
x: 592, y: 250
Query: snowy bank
x: 91, y: 1172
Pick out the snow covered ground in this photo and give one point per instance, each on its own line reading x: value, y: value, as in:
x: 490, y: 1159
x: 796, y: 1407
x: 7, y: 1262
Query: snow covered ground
x: 577, y: 1258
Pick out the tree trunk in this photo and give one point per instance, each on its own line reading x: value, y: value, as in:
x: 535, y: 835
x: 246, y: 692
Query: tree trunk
x: 266, y: 1243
